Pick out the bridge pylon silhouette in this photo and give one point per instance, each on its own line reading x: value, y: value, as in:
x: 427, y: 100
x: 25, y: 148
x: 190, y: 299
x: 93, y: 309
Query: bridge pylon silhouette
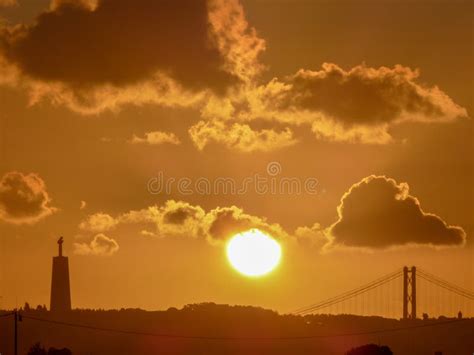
x: 409, y: 292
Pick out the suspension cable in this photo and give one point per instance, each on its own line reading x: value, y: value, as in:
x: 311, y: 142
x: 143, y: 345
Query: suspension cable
x: 447, y: 283
x: 350, y: 294
x: 434, y: 282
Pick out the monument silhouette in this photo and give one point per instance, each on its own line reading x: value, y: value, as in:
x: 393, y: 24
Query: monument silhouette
x: 60, y: 289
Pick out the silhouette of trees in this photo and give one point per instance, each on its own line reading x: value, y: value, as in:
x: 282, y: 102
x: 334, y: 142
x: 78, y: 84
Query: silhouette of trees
x: 370, y: 349
x: 64, y: 351
x: 37, y: 349
x: 224, y: 321
x: 41, y: 308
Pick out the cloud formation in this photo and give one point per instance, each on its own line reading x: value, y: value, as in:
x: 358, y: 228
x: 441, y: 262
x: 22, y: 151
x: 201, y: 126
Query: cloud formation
x: 236, y: 39
x: 204, y: 54
x: 156, y: 138
x: 24, y: 198
x: 357, y: 105
x: 98, y: 222
x: 136, y: 41
x: 100, y: 245
x: 181, y: 219
x: 224, y: 222
x: 377, y: 212
x: 313, y: 237
x: 240, y: 137
x: 147, y: 52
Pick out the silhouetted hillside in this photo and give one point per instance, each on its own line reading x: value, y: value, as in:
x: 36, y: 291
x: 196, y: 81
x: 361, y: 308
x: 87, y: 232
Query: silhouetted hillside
x: 216, y: 328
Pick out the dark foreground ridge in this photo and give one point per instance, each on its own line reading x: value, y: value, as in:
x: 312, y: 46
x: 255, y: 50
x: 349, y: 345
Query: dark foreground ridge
x: 221, y: 329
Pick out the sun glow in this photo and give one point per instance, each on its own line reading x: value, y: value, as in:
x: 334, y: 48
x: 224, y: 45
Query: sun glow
x: 253, y: 253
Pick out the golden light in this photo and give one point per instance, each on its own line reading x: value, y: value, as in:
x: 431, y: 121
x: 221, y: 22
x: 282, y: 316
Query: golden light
x: 253, y: 253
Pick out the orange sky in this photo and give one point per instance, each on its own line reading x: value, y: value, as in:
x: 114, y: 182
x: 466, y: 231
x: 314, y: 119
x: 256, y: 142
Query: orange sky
x: 100, y: 97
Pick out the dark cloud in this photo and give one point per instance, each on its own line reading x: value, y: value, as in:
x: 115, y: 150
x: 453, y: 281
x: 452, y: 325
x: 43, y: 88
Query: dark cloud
x: 359, y: 104
x: 227, y: 221
x: 98, y: 55
x: 180, y: 218
x: 178, y: 213
x: 23, y: 198
x: 362, y: 95
x: 120, y: 42
x: 379, y: 213
x: 224, y: 222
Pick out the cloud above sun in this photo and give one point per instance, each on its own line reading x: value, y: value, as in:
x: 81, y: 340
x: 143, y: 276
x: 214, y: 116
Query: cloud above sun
x: 217, y: 73
x: 181, y: 219
x: 375, y: 213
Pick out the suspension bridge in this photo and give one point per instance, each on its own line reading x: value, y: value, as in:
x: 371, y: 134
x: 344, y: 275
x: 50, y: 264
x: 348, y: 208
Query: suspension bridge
x: 407, y: 293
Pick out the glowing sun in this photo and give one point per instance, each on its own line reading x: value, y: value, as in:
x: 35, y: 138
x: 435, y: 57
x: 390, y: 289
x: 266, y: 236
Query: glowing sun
x: 253, y: 253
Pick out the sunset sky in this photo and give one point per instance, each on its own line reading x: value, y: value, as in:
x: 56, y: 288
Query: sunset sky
x: 369, y: 102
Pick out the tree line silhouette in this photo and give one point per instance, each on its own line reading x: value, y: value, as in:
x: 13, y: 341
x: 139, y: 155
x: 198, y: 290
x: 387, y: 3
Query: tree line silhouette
x: 215, y: 329
x: 37, y: 349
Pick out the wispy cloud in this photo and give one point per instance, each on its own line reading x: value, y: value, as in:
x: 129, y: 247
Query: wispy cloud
x: 156, y: 138
x: 100, y: 245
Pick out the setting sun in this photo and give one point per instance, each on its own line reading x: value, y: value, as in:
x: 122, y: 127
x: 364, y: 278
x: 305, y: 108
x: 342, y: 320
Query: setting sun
x: 253, y: 253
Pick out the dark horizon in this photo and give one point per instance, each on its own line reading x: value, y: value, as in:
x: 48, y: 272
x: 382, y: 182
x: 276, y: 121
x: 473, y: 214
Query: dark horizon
x: 231, y: 329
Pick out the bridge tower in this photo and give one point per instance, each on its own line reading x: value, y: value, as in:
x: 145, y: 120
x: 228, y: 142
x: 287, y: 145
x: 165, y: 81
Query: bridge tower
x: 409, y: 292
x: 60, y: 290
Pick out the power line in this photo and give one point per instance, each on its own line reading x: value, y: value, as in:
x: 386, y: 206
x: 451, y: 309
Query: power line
x: 7, y: 314
x: 196, y: 337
